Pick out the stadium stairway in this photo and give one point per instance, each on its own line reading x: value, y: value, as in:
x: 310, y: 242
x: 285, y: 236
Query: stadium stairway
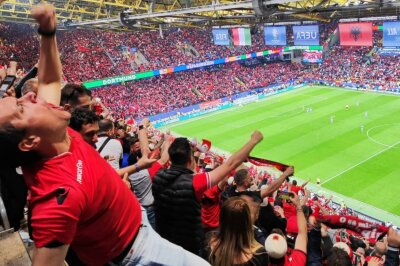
x: 140, y: 59
x: 12, y: 248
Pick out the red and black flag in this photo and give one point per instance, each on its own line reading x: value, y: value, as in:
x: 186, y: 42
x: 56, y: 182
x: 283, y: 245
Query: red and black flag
x: 355, y: 34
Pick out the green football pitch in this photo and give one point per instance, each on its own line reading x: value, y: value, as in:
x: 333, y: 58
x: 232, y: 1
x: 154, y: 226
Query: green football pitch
x: 357, y: 154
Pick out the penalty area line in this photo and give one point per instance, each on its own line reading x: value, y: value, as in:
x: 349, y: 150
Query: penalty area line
x: 363, y: 161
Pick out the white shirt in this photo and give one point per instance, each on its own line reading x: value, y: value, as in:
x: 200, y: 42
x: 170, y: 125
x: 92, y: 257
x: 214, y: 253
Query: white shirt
x: 112, y: 150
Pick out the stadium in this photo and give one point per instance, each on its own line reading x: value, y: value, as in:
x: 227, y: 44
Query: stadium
x: 245, y: 132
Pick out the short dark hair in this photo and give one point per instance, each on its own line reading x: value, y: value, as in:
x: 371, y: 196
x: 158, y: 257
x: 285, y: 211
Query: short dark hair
x: 180, y: 151
x: 29, y: 86
x: 133, y: 140
x: 339, y: 257
x: 10, y: 154
x: 71, y: 93
x: 81, y: 117
x: 294, y: 182
x: 105, y: 125
x: 240, y: 176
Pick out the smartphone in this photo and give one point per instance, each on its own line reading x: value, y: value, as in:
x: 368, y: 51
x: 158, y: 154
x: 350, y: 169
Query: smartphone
x: 286, y: 195
x: 6, y: 84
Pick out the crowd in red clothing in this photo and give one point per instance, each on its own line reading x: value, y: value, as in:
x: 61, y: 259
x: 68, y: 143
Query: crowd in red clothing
x: 358, y: 65
x: 148, y: 97
x: 89, y: 55
x: 93, y: 55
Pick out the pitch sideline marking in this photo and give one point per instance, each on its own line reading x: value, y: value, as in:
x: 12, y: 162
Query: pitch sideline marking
x: 363, y: 161
x: 362, y: 207
x: 234, y: 109
x: 238, y: 108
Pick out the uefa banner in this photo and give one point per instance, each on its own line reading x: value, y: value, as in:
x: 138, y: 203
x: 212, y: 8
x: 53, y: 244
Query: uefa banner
x: 355, y: 34
x: 275, y: 36
x: 391, y: 34
x: 306, y: 35
x: 221, y: 36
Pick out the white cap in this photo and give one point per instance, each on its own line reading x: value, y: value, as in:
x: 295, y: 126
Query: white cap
x: 276, y: 246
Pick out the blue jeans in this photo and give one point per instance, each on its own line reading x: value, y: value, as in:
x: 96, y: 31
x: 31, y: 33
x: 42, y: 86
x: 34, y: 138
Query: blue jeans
x: 151, y: 216
x: 150, y: 249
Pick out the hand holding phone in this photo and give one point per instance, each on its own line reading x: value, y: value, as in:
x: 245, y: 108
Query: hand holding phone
x: 6, y: 84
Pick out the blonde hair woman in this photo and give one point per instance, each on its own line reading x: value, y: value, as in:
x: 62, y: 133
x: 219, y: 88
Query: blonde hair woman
x: 234, y: 244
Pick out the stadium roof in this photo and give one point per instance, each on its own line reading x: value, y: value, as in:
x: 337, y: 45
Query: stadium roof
x: 152, y: 14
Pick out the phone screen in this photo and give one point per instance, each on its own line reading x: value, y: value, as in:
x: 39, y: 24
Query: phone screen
x: 3, y: 88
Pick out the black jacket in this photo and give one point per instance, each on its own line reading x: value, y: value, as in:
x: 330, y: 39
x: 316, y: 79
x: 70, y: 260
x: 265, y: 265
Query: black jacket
x: 178, y: 213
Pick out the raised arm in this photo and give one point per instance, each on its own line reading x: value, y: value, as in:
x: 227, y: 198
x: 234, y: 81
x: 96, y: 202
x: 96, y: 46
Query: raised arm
x: 236, y: 159
x: 49, y: 73
x: 305, y: 183
x: 143, y: 163
x: 277, y: 183
x: 164, y: 158
x: 392, y: 255
x: 143, y: 139
x: 301, y: 239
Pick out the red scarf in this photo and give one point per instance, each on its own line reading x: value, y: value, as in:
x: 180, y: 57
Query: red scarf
x: 368, y: 230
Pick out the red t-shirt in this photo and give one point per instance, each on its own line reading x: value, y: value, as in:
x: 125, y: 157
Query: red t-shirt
x: 381, y: 261
x: 297, y: 258
x: 315, y: 208
x: 291, y: 225
x: 98, y: 215
x: 289, y: 210
x: 201, y: 182
x: 295, y: 189
x: 154, y: 169
x: 210, y: 207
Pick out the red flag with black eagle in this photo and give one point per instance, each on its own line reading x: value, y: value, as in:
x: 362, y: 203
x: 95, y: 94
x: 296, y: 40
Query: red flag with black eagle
x: 366, y: 229
x: 268, y: 163
x: 355, y: 34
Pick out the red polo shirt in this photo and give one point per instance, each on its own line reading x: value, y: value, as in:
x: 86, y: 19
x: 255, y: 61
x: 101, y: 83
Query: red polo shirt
x: 78, y: 199
x: 211, y: 207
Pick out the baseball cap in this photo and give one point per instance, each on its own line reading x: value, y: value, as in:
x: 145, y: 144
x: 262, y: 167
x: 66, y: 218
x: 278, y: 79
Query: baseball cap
x: 276, y: 246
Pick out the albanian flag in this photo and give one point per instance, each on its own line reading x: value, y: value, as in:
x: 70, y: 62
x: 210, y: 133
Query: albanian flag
x: 366, y: 229
x: 355, y: 34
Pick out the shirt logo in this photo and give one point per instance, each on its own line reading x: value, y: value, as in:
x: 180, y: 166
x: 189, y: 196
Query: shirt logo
x: 61, y: 194
x: 79, y: 170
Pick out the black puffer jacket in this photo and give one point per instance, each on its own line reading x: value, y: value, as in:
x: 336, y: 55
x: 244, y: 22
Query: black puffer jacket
x: 178, y: 213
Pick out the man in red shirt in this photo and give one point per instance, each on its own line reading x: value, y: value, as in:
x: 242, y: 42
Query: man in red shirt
x: 77, y: 199
x: 211, y: 206
x: 295, y: 188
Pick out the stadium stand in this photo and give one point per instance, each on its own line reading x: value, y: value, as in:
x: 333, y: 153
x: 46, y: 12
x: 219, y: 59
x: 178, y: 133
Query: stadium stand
x: 213, y: 197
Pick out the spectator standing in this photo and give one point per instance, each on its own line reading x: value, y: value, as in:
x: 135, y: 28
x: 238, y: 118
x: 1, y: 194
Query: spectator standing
x: 235, y: 243
x: 178, y: 191
x: 76, y: 198
x: 74, y: 95
x: 86, y: 123
x: 108, y: 147
x: 276, y: 244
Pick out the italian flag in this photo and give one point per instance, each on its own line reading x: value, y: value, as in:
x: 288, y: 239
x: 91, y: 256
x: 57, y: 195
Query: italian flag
x: 241, y: 36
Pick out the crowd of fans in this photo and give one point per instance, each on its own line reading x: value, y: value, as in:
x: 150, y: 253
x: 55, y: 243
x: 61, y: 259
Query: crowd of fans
x: 192, y: 87
x: 360, y: 66
x: 212, y: 210
x: 88, y: 55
